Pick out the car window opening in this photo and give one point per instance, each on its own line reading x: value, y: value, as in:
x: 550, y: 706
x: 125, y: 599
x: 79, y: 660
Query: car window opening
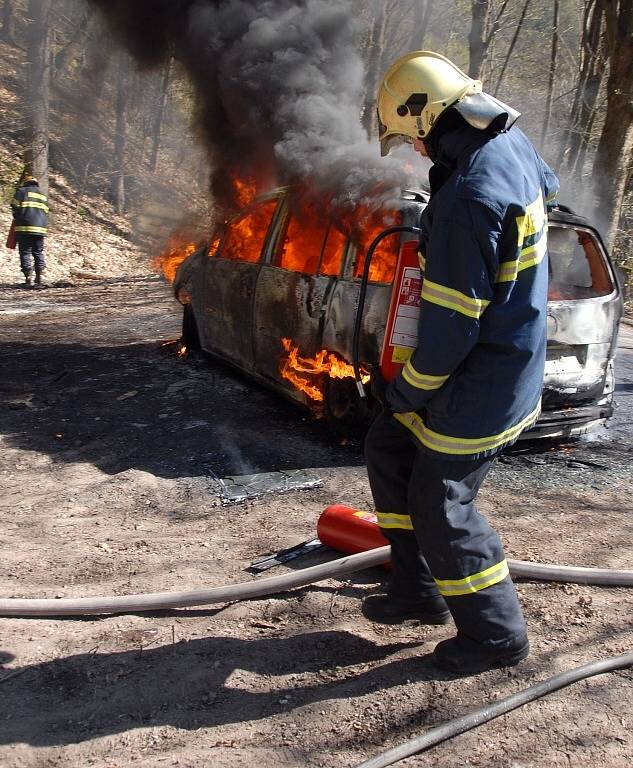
x: 301, y: 248
x: 577, y: 269
x: 333, y: 252
x: 245, y: 236
x: 385, y: 258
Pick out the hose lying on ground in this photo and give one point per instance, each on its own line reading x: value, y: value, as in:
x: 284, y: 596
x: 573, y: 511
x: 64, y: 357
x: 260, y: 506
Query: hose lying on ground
x: 85, y: 606
x: 490, y: 711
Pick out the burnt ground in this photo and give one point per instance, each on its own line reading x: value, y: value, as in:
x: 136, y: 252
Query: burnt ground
x: 110, y: 449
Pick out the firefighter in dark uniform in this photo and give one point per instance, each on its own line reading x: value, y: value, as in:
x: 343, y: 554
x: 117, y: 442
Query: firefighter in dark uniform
x: 474, y: 382
x: 30, y: 218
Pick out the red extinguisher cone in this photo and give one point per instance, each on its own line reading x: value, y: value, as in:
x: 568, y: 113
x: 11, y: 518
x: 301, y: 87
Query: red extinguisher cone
x: 350, y: 530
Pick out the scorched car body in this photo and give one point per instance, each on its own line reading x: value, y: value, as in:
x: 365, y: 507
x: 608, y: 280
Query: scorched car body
x: 270, y: 275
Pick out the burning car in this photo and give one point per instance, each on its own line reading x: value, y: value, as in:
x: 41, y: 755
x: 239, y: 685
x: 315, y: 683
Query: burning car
x: 276, y: 294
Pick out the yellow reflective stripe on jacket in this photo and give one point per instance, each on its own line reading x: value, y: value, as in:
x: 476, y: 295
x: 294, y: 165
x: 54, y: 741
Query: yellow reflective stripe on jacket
x: 421, y: 380
x: 532, y: 224
x: 15, y: 203
x: 460, y: 446
x: 452, y: 299
x: 528, y: 257
x: 474, y: 583
x: 32, y: 230
x: 422, y: 261
x: 532, y: 221
x: 391, y: 520
x: 36, y: 196
x: 31, y: 204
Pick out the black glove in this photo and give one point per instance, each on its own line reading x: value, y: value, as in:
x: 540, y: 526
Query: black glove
x: 378, y: 387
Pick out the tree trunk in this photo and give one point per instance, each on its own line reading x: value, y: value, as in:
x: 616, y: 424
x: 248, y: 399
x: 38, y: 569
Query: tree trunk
x: 38, y: 86
x: 158, y: 118
x: 421, y: 17
x: 592, y: 63
x: 478, y: 37
x: 515, y: 37
x: 120, y: 135
x: 616, y: 141
x: 552, y: 74
x: 369, y: 118
x: 8, y: 22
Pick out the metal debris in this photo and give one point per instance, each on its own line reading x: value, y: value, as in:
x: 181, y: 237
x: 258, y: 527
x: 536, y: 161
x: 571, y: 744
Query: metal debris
x: 241, y: 487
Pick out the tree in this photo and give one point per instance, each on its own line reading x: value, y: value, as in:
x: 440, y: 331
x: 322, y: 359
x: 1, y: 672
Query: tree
x: 38, y: 87
x: 552, y: 73
x: 8, y: 22
x: 483, y: 30
x: 117, y: 188
x: 615, y: 146
x: 158, y: 117
x: 576, y: 138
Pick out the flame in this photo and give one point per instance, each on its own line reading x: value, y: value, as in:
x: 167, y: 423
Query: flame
x: 244, y: 190
x: 177, y: 250
x: 298, y: 370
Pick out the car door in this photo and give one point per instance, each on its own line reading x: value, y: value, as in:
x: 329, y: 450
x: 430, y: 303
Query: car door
x: 292, y: 288
x: 231, y: 276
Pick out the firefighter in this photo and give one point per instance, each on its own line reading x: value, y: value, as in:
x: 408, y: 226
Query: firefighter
x: 30, y: 217
x: 474, y: 382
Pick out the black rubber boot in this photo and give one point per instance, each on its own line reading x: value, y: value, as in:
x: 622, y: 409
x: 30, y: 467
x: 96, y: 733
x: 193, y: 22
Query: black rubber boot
x: 39, y: 278
x: 29, y: 281
x: 463, y: 656
x: 390, y: 610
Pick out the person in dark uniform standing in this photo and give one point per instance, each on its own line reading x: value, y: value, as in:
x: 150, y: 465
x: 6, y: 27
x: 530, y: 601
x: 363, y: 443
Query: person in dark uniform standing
x: 30, y: 219
x: 474, y: 382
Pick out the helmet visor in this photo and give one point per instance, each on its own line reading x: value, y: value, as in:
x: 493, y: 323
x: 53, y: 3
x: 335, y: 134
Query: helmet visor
x: 389, y: 143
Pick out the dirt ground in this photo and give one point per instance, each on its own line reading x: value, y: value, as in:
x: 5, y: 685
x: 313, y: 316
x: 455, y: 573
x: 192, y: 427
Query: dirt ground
x: 111, y: 446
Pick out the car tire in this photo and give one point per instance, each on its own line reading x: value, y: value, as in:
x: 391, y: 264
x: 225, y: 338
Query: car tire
x: 347, y: 413
x: 190, y: 337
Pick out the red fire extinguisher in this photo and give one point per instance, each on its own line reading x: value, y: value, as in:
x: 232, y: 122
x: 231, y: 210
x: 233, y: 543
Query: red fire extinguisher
x: 402, y: 321
x: 349, y: 530
x: 11, y: 237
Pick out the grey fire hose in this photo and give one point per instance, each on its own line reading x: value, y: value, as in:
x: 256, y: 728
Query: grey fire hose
x: 488, y: 712
x: 85, y: 606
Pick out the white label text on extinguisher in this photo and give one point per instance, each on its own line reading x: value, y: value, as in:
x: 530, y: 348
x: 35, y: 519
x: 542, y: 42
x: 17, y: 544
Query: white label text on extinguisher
x: 405, y: 327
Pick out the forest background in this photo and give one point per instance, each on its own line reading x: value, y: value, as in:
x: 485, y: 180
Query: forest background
x: 119, y: 146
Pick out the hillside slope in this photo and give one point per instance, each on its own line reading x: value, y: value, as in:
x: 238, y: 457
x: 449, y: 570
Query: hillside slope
x: 86, y: 235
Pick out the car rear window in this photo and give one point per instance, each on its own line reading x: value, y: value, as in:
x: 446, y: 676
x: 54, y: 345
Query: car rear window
x: 245, y: 235
x: 577, y: 269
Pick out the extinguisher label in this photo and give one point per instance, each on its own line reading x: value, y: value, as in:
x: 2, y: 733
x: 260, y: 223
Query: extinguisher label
x: 405, y: 327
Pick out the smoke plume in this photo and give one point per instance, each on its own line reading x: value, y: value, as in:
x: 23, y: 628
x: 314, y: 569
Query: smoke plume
x: 278, y: 90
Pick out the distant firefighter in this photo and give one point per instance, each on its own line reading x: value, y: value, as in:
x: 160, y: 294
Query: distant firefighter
x: 30, y: 222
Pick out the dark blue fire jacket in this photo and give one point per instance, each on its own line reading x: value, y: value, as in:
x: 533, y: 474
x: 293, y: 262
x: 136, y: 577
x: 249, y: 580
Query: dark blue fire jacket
x: 474, y: 382
x: 30, y: 210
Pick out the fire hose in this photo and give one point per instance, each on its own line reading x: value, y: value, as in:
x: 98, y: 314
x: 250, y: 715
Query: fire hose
x: 350, y: 530
x: 490, y: 711
x: 87, y: 606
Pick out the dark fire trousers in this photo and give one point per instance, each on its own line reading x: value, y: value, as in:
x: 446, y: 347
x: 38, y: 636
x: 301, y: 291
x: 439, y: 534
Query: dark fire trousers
x: 31, y: 247
x: 440, y: 542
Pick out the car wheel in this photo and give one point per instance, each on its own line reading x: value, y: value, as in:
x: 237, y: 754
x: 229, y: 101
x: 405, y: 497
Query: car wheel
x: 347, y: 413
x: 190, y: 337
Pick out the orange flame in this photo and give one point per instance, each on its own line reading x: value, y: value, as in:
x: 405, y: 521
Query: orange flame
x: 177, y: 250
x: 299, y: 370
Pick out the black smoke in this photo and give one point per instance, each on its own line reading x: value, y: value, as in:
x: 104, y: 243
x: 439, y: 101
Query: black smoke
x: 278, y: 89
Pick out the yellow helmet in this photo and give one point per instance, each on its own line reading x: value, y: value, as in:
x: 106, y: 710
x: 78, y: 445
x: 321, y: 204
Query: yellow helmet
x: 419, y: 87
